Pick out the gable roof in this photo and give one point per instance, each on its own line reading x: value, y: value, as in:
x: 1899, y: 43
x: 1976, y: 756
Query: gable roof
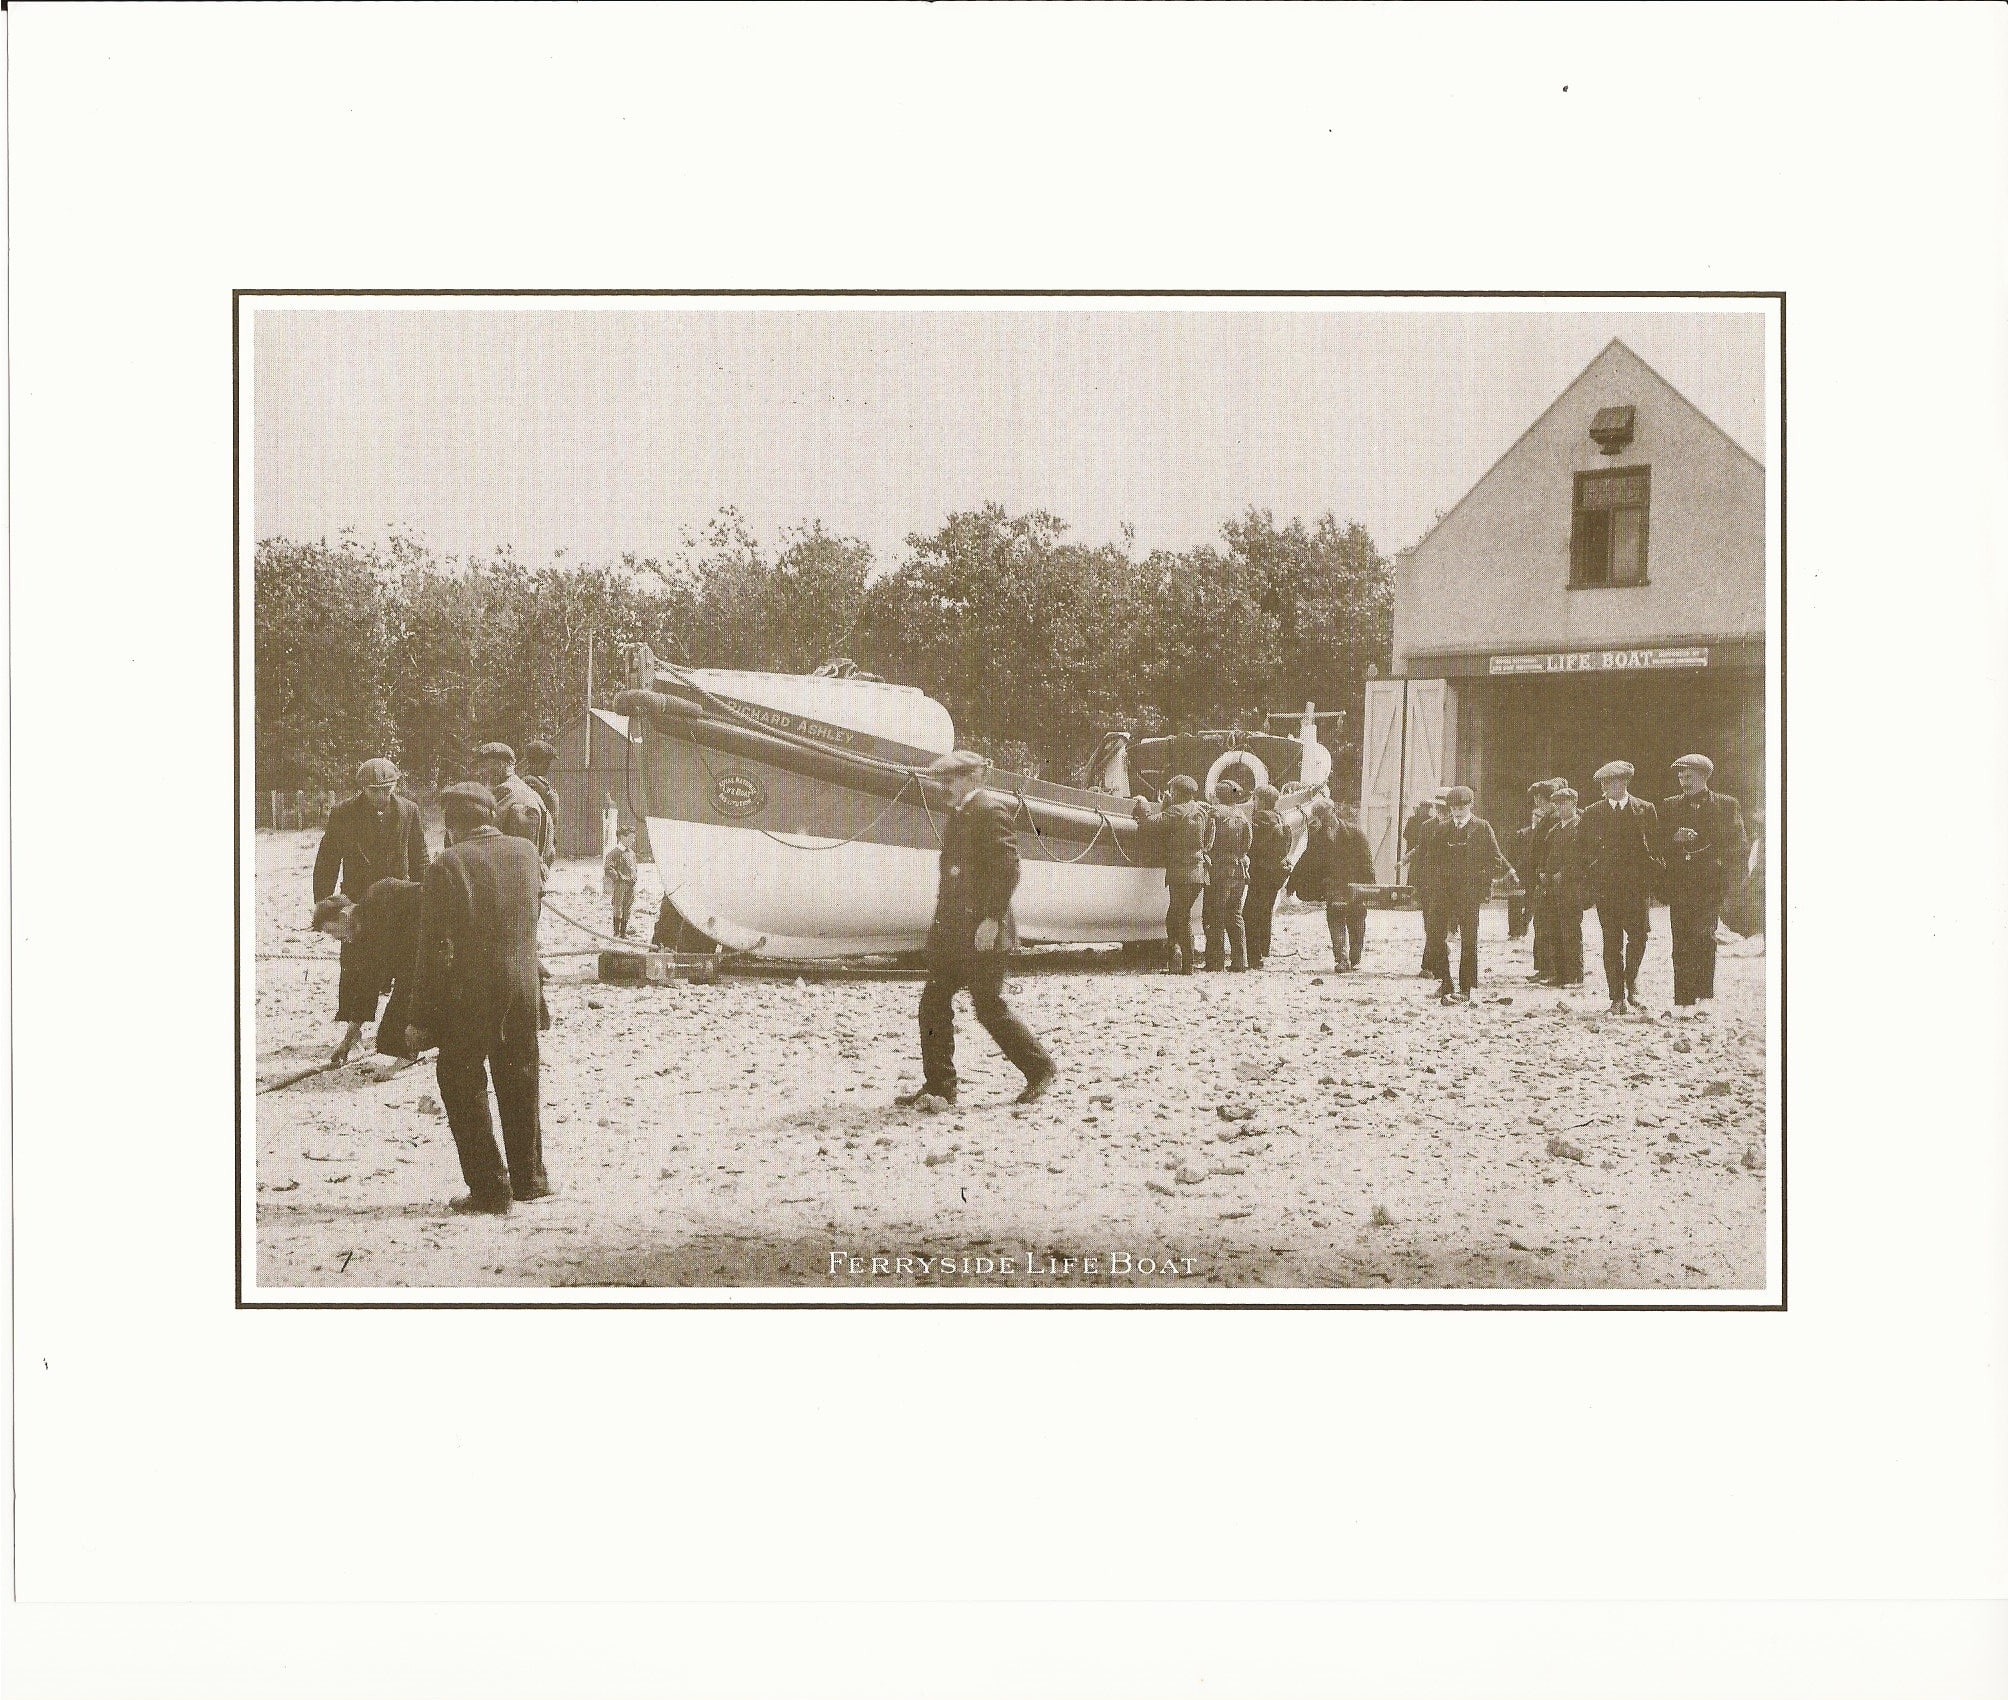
x: 1603, y: 354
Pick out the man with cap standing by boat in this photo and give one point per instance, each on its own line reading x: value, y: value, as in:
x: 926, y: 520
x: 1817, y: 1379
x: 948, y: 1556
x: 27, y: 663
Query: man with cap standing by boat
x: 539, y: 755
x: 1619, y: 841
x: 519, y: 811
x: 1227, y: 881
x: 1268, y: 850
x: 1182, y: 832
x: 1703, y: 844
x: 972, y: 936
x: 1563, y: 898
x: 475, y: 995
x: 374, y: 835
x: 1465, y: 859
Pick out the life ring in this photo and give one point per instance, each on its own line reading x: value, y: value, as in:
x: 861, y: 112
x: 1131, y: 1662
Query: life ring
x: 1227, y: 759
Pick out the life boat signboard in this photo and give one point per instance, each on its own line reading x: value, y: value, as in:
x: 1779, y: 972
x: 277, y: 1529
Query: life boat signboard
x: 736, y: 795
x: 1601, y: 661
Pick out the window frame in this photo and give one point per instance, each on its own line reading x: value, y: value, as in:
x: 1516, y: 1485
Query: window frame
x: 1603, y: 475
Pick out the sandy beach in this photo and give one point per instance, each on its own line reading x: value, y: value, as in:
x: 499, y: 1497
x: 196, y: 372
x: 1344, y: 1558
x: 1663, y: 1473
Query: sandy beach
x: 1292, y: 1128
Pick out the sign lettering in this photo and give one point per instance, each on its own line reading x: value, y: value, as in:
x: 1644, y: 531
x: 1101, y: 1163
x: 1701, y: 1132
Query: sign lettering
x: 737, y: 794
x: 1599, y: 661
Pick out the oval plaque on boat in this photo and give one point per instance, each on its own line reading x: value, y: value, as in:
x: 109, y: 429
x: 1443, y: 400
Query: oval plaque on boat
x: 736, y: 794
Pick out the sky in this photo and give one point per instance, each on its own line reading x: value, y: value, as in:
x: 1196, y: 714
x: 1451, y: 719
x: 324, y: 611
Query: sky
x: 600, y: 430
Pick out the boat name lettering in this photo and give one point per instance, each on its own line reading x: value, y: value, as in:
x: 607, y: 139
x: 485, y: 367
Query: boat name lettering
x: 799, y: 724
x: 735, y: 794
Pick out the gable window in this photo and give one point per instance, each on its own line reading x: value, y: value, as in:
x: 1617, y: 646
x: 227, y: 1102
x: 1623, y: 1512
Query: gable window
x: 1607, y: 543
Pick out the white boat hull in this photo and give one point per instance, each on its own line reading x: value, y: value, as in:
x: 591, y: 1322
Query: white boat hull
x: 786, y: 894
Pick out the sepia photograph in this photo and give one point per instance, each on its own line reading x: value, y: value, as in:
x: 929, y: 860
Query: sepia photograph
x: 1009, y: 799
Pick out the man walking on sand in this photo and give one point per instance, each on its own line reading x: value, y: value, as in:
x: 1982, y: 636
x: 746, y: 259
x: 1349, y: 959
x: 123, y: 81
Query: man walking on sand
x: 374, y: 835
x: 476, y: 996
x: 973, y: 935
x: 1465, y: 859
x: 1619, y: 848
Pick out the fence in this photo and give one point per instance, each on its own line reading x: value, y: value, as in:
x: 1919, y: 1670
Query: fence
x: 290, y: 811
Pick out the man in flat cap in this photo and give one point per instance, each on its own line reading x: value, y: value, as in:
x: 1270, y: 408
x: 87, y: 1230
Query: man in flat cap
x: 973, y: 935
x: 1619, y: 843
x: 1704, y: 846
x: 1268, y: 870
x: 519, y: 811
x: 374, y: 835
x: 1227, y: 881
x: 1180, y: 833
x: 1526, y: 854
x: 1528, y: 844
x: 1563, y: 895
x: 1419, y: 835
x: 540, y: 755
x: 475, y: 995
x: 1465, y: 859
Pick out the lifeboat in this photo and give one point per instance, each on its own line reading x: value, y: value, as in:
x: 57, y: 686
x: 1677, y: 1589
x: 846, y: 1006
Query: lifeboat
x: 789, y: 814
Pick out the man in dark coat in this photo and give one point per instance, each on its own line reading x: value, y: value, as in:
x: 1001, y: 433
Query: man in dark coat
x: 539, y: 756
x: 1227, y: 882
x: 1528, y: 843
x: 1345, y: 909
x: 519, y: 810
x: 1268, y: 852
x: 1526, y: 854
x: 1619, y: 842
x: 1563, y: 896
x: 973, y: 935
x: 379, y: 937
x: 1182, y: 835
x: 475, y: 996
x: 1419, y: 834
x: 374, y: 835
x: 1465, y: 859
x: 1704, y: 846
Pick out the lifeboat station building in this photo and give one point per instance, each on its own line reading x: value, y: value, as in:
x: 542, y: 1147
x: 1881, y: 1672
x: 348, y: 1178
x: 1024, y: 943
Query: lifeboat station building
x: 1598, y: 595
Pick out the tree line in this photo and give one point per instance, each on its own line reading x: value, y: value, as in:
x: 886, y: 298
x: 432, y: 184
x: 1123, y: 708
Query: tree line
x: 1035, y: 643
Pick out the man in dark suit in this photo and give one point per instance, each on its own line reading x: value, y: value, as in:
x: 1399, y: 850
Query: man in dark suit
x: 973, y: 934
x: 1563, y: 897
x: 475, y: 996
x: 519, y: 810
x: 374, y: 835
x: 1619, y: 841
x: 383, y: 929
x: 539, y: 756
x: 1704, y: 846
x: 1268, y: 870
x: 1352, y: 868
x: 1227, y: 882
x: 1465, y: 859
x: 1182, y: 834
x: 1419, y: 835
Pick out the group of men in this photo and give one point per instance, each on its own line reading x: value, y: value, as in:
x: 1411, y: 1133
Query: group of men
x: 1614, y: 857
x: 1229, y: 858
x: 452, y: 940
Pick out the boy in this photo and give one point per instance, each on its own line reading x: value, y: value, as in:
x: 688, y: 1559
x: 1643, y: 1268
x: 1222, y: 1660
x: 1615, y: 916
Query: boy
x: 619, y: 879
